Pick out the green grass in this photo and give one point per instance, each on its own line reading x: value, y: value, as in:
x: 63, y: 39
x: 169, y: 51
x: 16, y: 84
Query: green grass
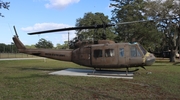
x: 29, y: 79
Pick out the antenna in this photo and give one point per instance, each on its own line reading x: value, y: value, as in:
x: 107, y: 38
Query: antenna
x: 15, y: 31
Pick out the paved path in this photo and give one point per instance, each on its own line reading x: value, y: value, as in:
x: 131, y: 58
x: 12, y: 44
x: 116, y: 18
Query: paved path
x: 20, y: 58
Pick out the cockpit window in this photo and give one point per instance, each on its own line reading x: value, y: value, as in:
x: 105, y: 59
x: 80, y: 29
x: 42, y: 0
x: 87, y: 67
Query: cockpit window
x: 135, y: 52
x: 109, y: 53
x: 143, y: 50
x: 97, y: 53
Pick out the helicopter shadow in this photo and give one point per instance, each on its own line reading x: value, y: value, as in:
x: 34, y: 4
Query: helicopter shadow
x: 91, y: 72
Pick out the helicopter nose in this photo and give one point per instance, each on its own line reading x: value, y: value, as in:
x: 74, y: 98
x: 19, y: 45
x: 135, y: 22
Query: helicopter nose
x: 150, y: 59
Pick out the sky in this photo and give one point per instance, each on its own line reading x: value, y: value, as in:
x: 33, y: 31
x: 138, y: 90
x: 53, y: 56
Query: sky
x: 37, y: 15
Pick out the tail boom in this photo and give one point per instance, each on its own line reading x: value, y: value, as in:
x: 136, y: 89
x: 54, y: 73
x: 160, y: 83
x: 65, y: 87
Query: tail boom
x: 63, y: 55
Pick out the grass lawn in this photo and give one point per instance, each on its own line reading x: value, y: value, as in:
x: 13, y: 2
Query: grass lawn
x: 29, y: 79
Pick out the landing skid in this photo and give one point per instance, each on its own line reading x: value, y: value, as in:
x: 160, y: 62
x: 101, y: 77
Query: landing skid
x: 116, y: 70
x: 113, y: 73
x: 118, y: 75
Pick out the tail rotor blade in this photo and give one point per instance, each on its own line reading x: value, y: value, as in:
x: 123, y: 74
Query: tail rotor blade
x: 15, y: 31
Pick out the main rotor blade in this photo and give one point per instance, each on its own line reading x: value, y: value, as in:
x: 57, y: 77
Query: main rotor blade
x: 72, y: 28
x: 93, y: 27
x: 143, y: 21
x: 134, y: 22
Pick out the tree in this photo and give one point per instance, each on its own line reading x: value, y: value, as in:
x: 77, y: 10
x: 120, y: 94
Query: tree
x: 145, y: 33
x: 64, y: 46
x: 4, y: 5
x: 2, y: 47
x: 58, y: 46
x: 30, y: 46
x: 43, y: 43
x: 90, y: 19
x: 170, y: 10
x: 8, y: 48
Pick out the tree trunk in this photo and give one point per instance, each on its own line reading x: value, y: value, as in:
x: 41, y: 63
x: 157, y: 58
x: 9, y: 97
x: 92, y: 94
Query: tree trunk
x: 173, y: 56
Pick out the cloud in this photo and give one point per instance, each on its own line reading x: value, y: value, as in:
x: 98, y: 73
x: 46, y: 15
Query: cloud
x: 55, y: 38
x: 63, y: 37
x: 44, y: 26
x: 60, y: 4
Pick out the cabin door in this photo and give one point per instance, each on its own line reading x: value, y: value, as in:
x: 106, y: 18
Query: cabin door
x: 123, y: 55
x: 104, y: 56
x: 85, y: 56
x: 97, y: 56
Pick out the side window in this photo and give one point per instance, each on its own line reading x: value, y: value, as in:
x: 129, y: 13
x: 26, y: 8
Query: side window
x: 97, y: 53
x: 109, y: 52
x: 121, y: 52
x: 135, y: 52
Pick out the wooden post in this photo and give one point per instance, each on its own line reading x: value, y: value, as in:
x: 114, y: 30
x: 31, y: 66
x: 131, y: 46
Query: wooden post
x: 68, y: 39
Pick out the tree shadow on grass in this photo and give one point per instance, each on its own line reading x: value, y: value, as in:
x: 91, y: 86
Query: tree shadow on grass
x: 35, y: 76
x: 95, y: 94
x: 39, y: 69
x: 32, y: 75
x: 27, y: 77
x: 43, y: 69
x: 177, y: 63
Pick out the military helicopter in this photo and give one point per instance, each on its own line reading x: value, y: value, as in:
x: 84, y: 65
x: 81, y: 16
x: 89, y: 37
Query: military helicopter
x: 100, y: 54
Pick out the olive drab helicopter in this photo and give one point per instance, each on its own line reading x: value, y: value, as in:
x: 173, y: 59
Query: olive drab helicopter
x: 100, y: 54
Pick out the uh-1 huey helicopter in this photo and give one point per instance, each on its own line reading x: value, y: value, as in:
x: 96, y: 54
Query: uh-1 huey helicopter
x: 98, y: 54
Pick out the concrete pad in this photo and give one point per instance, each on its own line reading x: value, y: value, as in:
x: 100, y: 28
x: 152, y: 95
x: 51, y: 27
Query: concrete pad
x: 89, y: 73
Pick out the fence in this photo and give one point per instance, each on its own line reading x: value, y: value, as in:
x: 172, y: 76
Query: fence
x: 15, y: 55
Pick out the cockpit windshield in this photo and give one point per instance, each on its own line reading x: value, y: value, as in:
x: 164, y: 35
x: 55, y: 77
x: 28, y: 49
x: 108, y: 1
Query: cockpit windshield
x: 143, y: 50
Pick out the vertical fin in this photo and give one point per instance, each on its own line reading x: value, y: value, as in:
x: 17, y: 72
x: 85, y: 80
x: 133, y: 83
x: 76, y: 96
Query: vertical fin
x: 18, y: 43
x: 20, y: 46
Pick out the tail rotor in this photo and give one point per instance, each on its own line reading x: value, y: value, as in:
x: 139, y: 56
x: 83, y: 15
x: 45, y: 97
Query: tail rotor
x: 15, y: 31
